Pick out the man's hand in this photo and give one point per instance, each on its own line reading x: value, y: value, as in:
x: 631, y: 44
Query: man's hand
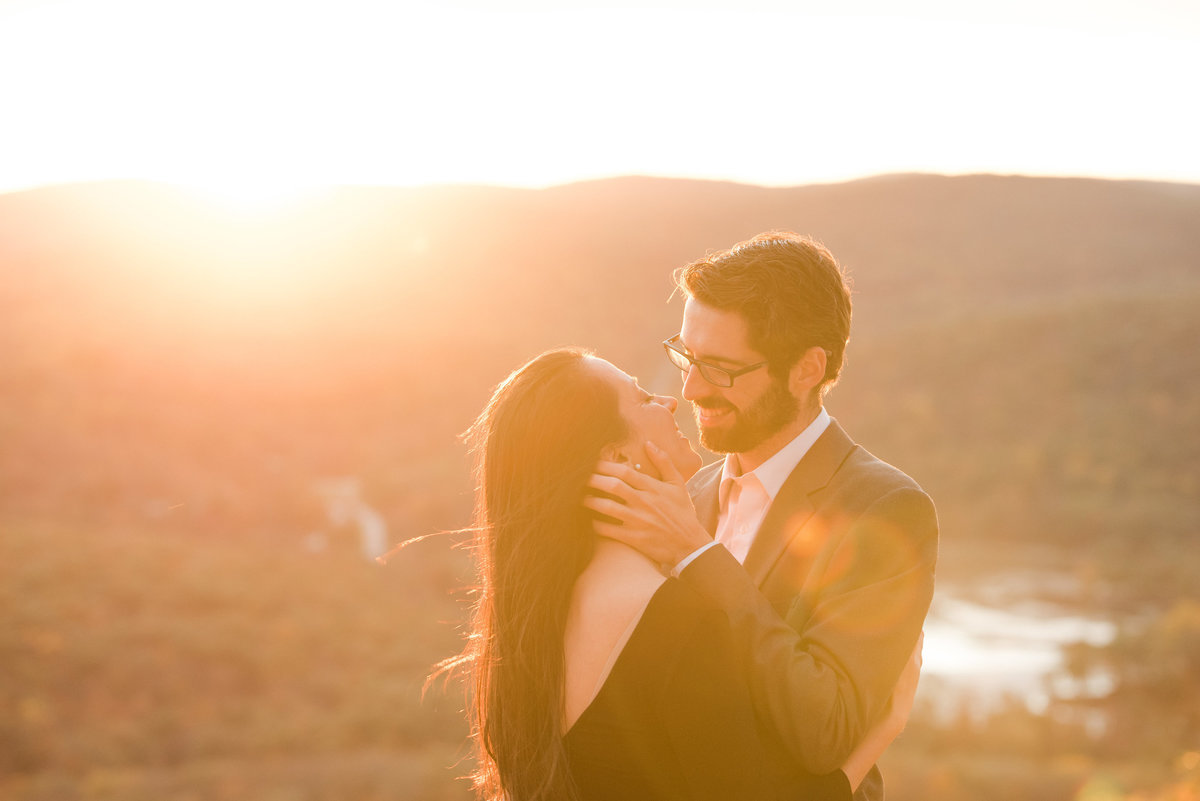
x: 656, y: 517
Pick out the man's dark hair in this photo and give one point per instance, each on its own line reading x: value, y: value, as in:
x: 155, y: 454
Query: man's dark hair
x: 788, y: 288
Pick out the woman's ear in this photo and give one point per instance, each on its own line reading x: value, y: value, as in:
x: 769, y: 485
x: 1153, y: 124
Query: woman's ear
x: 612, y: 453
x: 626, y: 453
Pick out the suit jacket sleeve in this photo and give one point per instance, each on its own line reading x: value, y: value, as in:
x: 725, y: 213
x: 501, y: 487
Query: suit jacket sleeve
x: 709, y: 719
x: 822, y: 673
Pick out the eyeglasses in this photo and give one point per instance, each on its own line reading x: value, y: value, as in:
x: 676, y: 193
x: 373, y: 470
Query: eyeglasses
x: 717, y: 376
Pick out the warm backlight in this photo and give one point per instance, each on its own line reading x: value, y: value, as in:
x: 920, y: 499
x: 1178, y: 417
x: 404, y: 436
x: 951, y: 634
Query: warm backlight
x: 252, y: 197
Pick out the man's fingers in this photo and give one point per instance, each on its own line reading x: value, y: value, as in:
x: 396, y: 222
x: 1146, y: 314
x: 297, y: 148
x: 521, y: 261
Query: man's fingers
x: 607, y: 506
x: 624, y: 472
x: 613, y: 532
x: 610, y: 485
x: 633, y: 537
x: 617, y: 479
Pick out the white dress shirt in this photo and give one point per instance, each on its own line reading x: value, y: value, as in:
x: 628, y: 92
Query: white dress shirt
x: 744, y: 498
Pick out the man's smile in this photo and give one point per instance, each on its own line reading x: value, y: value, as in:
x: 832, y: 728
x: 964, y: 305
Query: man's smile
x: 710, y: 412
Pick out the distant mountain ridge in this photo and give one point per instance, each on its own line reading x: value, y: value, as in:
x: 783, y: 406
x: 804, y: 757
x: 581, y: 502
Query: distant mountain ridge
x: 1025, y: 347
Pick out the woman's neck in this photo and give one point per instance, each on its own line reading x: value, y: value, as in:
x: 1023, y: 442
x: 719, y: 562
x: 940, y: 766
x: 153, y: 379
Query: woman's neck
x: 609, y: 551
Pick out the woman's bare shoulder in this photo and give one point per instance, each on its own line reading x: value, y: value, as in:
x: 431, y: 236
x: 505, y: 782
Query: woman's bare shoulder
x: 608, y: 601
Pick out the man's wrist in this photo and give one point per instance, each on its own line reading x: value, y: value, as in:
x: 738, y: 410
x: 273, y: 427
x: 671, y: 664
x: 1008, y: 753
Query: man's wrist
x: 691, y: 557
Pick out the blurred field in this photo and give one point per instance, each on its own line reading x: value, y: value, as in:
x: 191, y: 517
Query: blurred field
x: 155, y: 665
x: 182, y: 619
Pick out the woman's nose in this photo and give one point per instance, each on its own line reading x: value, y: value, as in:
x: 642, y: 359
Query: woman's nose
x: 669, y: 401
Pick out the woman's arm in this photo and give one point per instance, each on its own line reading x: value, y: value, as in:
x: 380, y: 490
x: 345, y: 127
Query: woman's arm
x: 883, y: 733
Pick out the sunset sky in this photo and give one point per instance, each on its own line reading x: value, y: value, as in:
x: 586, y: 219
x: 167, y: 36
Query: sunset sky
x: 263, y: 95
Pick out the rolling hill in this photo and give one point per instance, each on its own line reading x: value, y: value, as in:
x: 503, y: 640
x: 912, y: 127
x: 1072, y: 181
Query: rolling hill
x: 1025, y: 347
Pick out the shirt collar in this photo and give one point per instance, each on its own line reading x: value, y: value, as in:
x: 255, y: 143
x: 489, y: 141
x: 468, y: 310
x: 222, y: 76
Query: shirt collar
x: 774, y: 471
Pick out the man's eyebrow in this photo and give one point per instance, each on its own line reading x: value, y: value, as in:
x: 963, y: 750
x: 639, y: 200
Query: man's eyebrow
x: 710, y: 358
x: 723, y: 360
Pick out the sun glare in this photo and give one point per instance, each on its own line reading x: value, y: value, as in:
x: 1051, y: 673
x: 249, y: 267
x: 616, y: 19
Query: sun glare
x: 252, y: 197
x: 373, y: 92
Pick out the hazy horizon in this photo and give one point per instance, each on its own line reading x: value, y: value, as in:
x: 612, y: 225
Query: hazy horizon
x: 258, y: 97
x: 266, y: 198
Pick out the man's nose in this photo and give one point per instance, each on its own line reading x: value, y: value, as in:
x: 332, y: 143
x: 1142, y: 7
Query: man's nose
x: 694, y: 386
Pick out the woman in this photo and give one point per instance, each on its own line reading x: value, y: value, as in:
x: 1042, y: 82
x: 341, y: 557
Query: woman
x: 594, y: 676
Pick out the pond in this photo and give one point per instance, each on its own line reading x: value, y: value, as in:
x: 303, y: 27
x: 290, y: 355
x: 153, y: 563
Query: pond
x: 981, y: 654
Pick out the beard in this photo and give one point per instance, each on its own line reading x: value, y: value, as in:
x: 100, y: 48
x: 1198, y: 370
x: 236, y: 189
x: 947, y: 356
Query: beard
x: 753, y: 425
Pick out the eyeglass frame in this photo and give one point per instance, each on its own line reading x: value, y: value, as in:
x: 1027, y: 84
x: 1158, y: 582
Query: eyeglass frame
x: 671, y: 347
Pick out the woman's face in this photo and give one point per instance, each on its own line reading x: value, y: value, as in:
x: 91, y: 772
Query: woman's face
x: 648, y: 418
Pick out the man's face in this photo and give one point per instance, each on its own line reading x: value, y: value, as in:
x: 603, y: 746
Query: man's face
x: 740, y: 418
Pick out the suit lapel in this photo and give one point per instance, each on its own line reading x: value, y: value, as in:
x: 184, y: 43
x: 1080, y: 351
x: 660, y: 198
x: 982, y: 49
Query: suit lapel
x: 793, y: 507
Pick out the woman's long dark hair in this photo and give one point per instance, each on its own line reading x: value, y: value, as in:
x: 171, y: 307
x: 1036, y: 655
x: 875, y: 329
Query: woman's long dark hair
x: 535, y: 445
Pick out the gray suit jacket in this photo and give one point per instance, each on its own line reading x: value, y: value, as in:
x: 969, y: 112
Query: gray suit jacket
x: 830, y: 601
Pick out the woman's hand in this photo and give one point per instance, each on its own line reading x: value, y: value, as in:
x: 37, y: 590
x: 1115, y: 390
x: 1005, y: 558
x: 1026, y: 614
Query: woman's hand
x: 655, y: 517
x: 880, y: 736
x: 905, y: 693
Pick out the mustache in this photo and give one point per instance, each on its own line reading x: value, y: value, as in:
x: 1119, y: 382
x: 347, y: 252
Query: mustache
x: 714, y: 404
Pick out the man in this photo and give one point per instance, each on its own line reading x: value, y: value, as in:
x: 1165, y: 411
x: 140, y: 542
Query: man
x: 823, y: 555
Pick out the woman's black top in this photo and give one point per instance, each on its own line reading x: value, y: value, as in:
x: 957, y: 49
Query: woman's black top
x: 674, y: 721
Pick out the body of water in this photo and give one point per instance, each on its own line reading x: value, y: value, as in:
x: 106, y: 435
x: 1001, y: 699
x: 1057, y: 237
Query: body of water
x: 980, y: 654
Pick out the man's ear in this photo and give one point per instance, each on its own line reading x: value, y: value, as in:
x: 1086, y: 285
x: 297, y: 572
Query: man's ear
x: 808, y: 372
